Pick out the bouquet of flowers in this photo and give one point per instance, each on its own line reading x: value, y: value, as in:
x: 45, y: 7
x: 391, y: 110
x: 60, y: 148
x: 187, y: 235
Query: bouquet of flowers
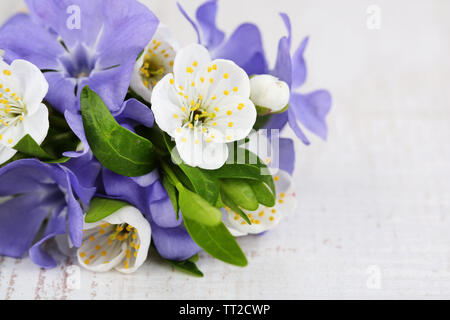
x: 114, y: 139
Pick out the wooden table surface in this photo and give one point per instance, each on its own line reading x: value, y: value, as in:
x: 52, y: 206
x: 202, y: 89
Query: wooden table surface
x: 374, y: 201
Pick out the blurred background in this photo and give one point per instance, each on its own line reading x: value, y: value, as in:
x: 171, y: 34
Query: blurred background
x: 374, y: 200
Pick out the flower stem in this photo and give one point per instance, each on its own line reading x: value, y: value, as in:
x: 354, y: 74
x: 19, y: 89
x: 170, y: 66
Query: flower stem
x: 172, y: 176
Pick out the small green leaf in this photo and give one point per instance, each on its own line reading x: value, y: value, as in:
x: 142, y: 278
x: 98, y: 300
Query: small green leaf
x: 60, y: 160
x: 247, y: 170
x: 187, y: 266
x: 233, y: 206
x: 203, y: 182
x: 100, y: 208
x: 263, y: 194
x: 194, y: 207
x: 240, y: 192
x: 28, y: 146
x: 194, y: 258
x: 217, y: 241
x: 117, y: 148
x: 172, y: 192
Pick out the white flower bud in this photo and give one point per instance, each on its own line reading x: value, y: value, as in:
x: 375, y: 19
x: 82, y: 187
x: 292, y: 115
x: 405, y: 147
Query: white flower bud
x: 269, y: 92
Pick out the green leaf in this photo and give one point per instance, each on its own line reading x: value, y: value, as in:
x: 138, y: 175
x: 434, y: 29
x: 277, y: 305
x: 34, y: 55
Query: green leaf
x: 240, y: 192
x: 233, y: 206
x: 172, y: 192
x: 101, y: 208
x: 194, y: 207
x: 263, y: 194
x: 194, y: 258
x: 203, y: 182
x: 217, y: 241
x: 28, y: 146
x: 247, y: 170
x: 117, y: 148
x: 186, y: 266
x: 261, y: 121
x: 60, y: 160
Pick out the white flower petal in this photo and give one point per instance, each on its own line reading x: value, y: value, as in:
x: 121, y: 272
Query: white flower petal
x: 159, y: 55
x: 6, y: 153
x: 22, y: 89
x: 195, y: 151
x: 106, y: 247
x: 265, y: 218
x: 188, y: 62
x: 37, y: 124
x: 269, y: 92
x: 165, y: 106
x: 221, y: 79
x: 11, y: 135
x: 235, y: 117
x: 32, y: 84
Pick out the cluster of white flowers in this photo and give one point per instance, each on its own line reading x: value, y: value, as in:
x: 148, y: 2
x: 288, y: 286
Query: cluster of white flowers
x: 202, y: 104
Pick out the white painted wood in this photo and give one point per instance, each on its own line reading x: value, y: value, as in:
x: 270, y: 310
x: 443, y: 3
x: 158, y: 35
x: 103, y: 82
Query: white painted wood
x: 374, y: 199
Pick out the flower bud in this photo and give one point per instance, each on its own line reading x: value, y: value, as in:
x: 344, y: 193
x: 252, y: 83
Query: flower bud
x: 269, y: 92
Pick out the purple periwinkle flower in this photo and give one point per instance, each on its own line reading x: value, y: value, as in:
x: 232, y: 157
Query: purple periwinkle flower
x: 33, y: 193
x: 245, y: 48
x: 78, y: 43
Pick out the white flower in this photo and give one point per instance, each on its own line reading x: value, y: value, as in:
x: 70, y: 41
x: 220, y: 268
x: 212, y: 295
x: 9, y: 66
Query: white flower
x: 204, y: 105
x: 22, y: 89
x: 119, y: 241
x: 265, y: 218
x: 156, y: 61
x: 269, y: 92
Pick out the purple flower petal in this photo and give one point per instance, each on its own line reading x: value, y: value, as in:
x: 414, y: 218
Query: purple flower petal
x: 55, y: 14
x: 56, y: 225
x: 243, y: 45
x: 74, y: 218
x: 161, y: 208
x: 293, y: 123
x: 83, y: 172
x: 206, y: 18
x: 277, y: 121
x: 174, y: 243
x: 126, y: 189
x: 287, y: 23
x: 299, y: 65
x: 55, y: 184
x: 283, y: 65
x: 194, y: 25
x: 128, y: 26
x: 111, y: 85
x: 75, y: 123
x: 60, y: 85
x: 21, y: 38
x: 287, y: 155
x: 133, y: 112
x: 27, y: 175
x: 311, y: 110
x: 20, y: 220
